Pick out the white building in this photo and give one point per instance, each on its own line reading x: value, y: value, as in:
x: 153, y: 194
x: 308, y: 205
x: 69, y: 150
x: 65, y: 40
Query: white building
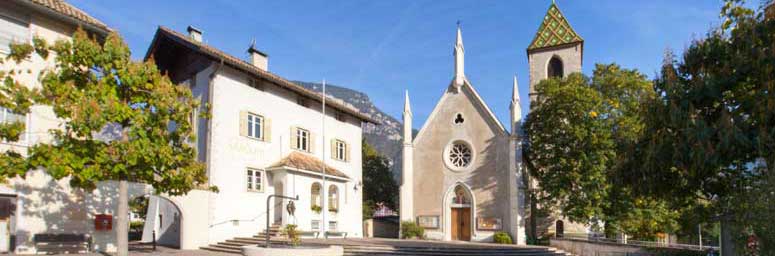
x: 265, y: 136
x: 39, y: 204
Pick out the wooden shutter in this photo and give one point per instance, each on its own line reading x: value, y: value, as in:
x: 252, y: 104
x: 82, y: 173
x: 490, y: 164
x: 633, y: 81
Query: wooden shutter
x: 346, y: 152
x: 294, y: 137
x: 333, y: 148
x: 243, y: 123
x: 311, y: 142
x: 267, y: 129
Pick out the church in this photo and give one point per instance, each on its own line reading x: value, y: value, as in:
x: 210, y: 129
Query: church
x: 463, y: 177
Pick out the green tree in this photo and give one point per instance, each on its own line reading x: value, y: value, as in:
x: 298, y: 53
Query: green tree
x: 579, y: 133
x: 123, y: 121
x: 710, y: 134
x: 378, y: 183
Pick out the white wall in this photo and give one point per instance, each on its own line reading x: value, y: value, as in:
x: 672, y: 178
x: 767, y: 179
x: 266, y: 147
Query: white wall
x: 235, y: 211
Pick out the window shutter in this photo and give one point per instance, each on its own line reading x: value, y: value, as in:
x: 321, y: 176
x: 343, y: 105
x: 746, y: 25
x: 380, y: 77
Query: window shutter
x: 333, y: 148
x: 267, y: 129
x: 346, y: 152
x: 311, y: 142
x: 294, y: 137
x: 243, y: 123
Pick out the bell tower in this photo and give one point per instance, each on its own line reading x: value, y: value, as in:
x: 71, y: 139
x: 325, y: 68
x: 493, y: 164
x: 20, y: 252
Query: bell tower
x: 556, y: 50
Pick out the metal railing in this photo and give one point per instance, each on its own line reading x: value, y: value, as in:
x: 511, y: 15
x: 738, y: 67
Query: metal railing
x: 599, y: 238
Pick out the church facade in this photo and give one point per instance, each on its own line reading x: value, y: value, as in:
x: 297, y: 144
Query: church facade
x: 463, y: 177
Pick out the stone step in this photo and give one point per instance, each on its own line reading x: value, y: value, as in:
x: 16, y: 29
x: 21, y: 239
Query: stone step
x: 462, y: 249
x: 219, y: 249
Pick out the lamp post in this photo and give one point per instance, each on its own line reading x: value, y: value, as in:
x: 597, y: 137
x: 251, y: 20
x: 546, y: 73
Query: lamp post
x: 268, y: 206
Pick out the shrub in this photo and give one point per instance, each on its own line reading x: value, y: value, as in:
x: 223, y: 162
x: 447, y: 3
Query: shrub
x: 293, y: 234
x: 502, y: 238
x: 409, y: 229
x: 136, y: 225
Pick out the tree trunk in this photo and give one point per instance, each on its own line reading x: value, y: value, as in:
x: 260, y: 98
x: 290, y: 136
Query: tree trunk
x: 122, y: 227
x: 727, y: 239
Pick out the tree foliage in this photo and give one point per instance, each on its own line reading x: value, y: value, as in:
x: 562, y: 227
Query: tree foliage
x: 120, y: 120
x: 579, y: 130
x: 123, y: 120
x: 710, y: 134
x: 378, y: 183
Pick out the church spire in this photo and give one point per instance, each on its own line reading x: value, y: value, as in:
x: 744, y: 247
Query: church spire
x: 459, y: 58
x: 516, y: 109
x: 407, y: 108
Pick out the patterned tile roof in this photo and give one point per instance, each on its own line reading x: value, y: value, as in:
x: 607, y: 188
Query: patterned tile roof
x: 554, y: 31
x: 306, y: 162
x: 66, y: 9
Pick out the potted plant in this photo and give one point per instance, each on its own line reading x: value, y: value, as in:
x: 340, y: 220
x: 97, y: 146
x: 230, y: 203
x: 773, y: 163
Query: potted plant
x: 317, y: 209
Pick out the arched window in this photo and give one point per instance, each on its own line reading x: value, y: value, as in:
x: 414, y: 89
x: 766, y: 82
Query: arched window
x: 461, y: 196
x: 317, y: 200
x: 333, y: 198
x: 555, y: 68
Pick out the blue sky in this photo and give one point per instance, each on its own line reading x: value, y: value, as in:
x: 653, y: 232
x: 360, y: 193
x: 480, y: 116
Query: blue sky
x: 385, y: 47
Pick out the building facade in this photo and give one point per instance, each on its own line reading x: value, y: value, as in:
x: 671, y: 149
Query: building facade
x: 39, y: 204
x: 264, y: 136
x: 460, y: 172
x: 463, y: 175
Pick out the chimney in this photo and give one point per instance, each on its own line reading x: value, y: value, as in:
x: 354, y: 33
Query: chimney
x: 194, y: 33
x: 258, y: 58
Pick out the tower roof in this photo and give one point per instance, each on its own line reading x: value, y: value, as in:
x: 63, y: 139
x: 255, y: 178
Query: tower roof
x: 554, y: 31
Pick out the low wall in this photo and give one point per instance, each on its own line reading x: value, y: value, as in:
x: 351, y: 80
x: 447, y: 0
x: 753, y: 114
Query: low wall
x: 599, y: 248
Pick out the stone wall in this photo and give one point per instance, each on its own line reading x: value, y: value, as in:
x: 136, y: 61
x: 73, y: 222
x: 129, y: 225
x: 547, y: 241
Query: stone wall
x: 596, y: 248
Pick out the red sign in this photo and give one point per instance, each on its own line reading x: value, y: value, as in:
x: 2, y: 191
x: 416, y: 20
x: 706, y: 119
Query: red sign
x: 103, y: 222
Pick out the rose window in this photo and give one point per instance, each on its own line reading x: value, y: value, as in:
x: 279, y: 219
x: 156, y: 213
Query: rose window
x: 460, y: 155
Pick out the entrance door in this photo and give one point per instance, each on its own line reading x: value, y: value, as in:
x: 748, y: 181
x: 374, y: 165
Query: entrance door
x: 461, y: 224
x: 278, y: 204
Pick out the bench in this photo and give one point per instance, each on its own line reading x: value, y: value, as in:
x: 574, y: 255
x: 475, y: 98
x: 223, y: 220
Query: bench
x: 337, y: 234
x: 62, y: 243
x: 312, y: 234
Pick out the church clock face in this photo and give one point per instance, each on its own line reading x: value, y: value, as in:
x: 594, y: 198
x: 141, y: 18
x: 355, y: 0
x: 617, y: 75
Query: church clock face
x: 458, y: 155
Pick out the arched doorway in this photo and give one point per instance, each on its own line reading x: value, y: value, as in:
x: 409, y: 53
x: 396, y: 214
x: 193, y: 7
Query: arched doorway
x: 165, y: 218
x: 559, y: 228
x: 460, y: 217
x: 555, y: 68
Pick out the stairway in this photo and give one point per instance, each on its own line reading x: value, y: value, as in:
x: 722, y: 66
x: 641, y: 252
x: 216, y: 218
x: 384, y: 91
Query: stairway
x: 234, y: 245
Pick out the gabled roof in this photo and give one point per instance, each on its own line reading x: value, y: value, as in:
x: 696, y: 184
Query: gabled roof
x: 297, y: 161
x: 244, y: 66
x: 476, y: 101
x: 66, y: 10
x: 554, y: 31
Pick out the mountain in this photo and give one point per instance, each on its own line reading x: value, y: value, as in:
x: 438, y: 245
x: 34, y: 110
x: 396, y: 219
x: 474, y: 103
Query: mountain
x: 385, y: 137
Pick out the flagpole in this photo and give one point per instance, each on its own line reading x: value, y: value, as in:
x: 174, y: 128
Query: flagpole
x: 324, y: 225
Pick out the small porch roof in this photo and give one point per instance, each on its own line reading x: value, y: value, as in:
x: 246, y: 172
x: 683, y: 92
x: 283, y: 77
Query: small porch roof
x: 300, y: 162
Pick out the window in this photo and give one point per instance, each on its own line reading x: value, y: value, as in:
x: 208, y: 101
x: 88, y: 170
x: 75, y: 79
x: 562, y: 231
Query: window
x: 339, y: 150
x: 333, y: 198
x: 341, y: 117
x: 315, y: 225
x: 332, y: 226
x: 7, y: 116
x: 12, y: 31
x: 302, y: 102
x: 301, y: 139
x: 460, y: 155
x: 255, y: 126
x: 459, y: 119
x: 255, y: 180
x: 317, y: 200
x: 555, y: 68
